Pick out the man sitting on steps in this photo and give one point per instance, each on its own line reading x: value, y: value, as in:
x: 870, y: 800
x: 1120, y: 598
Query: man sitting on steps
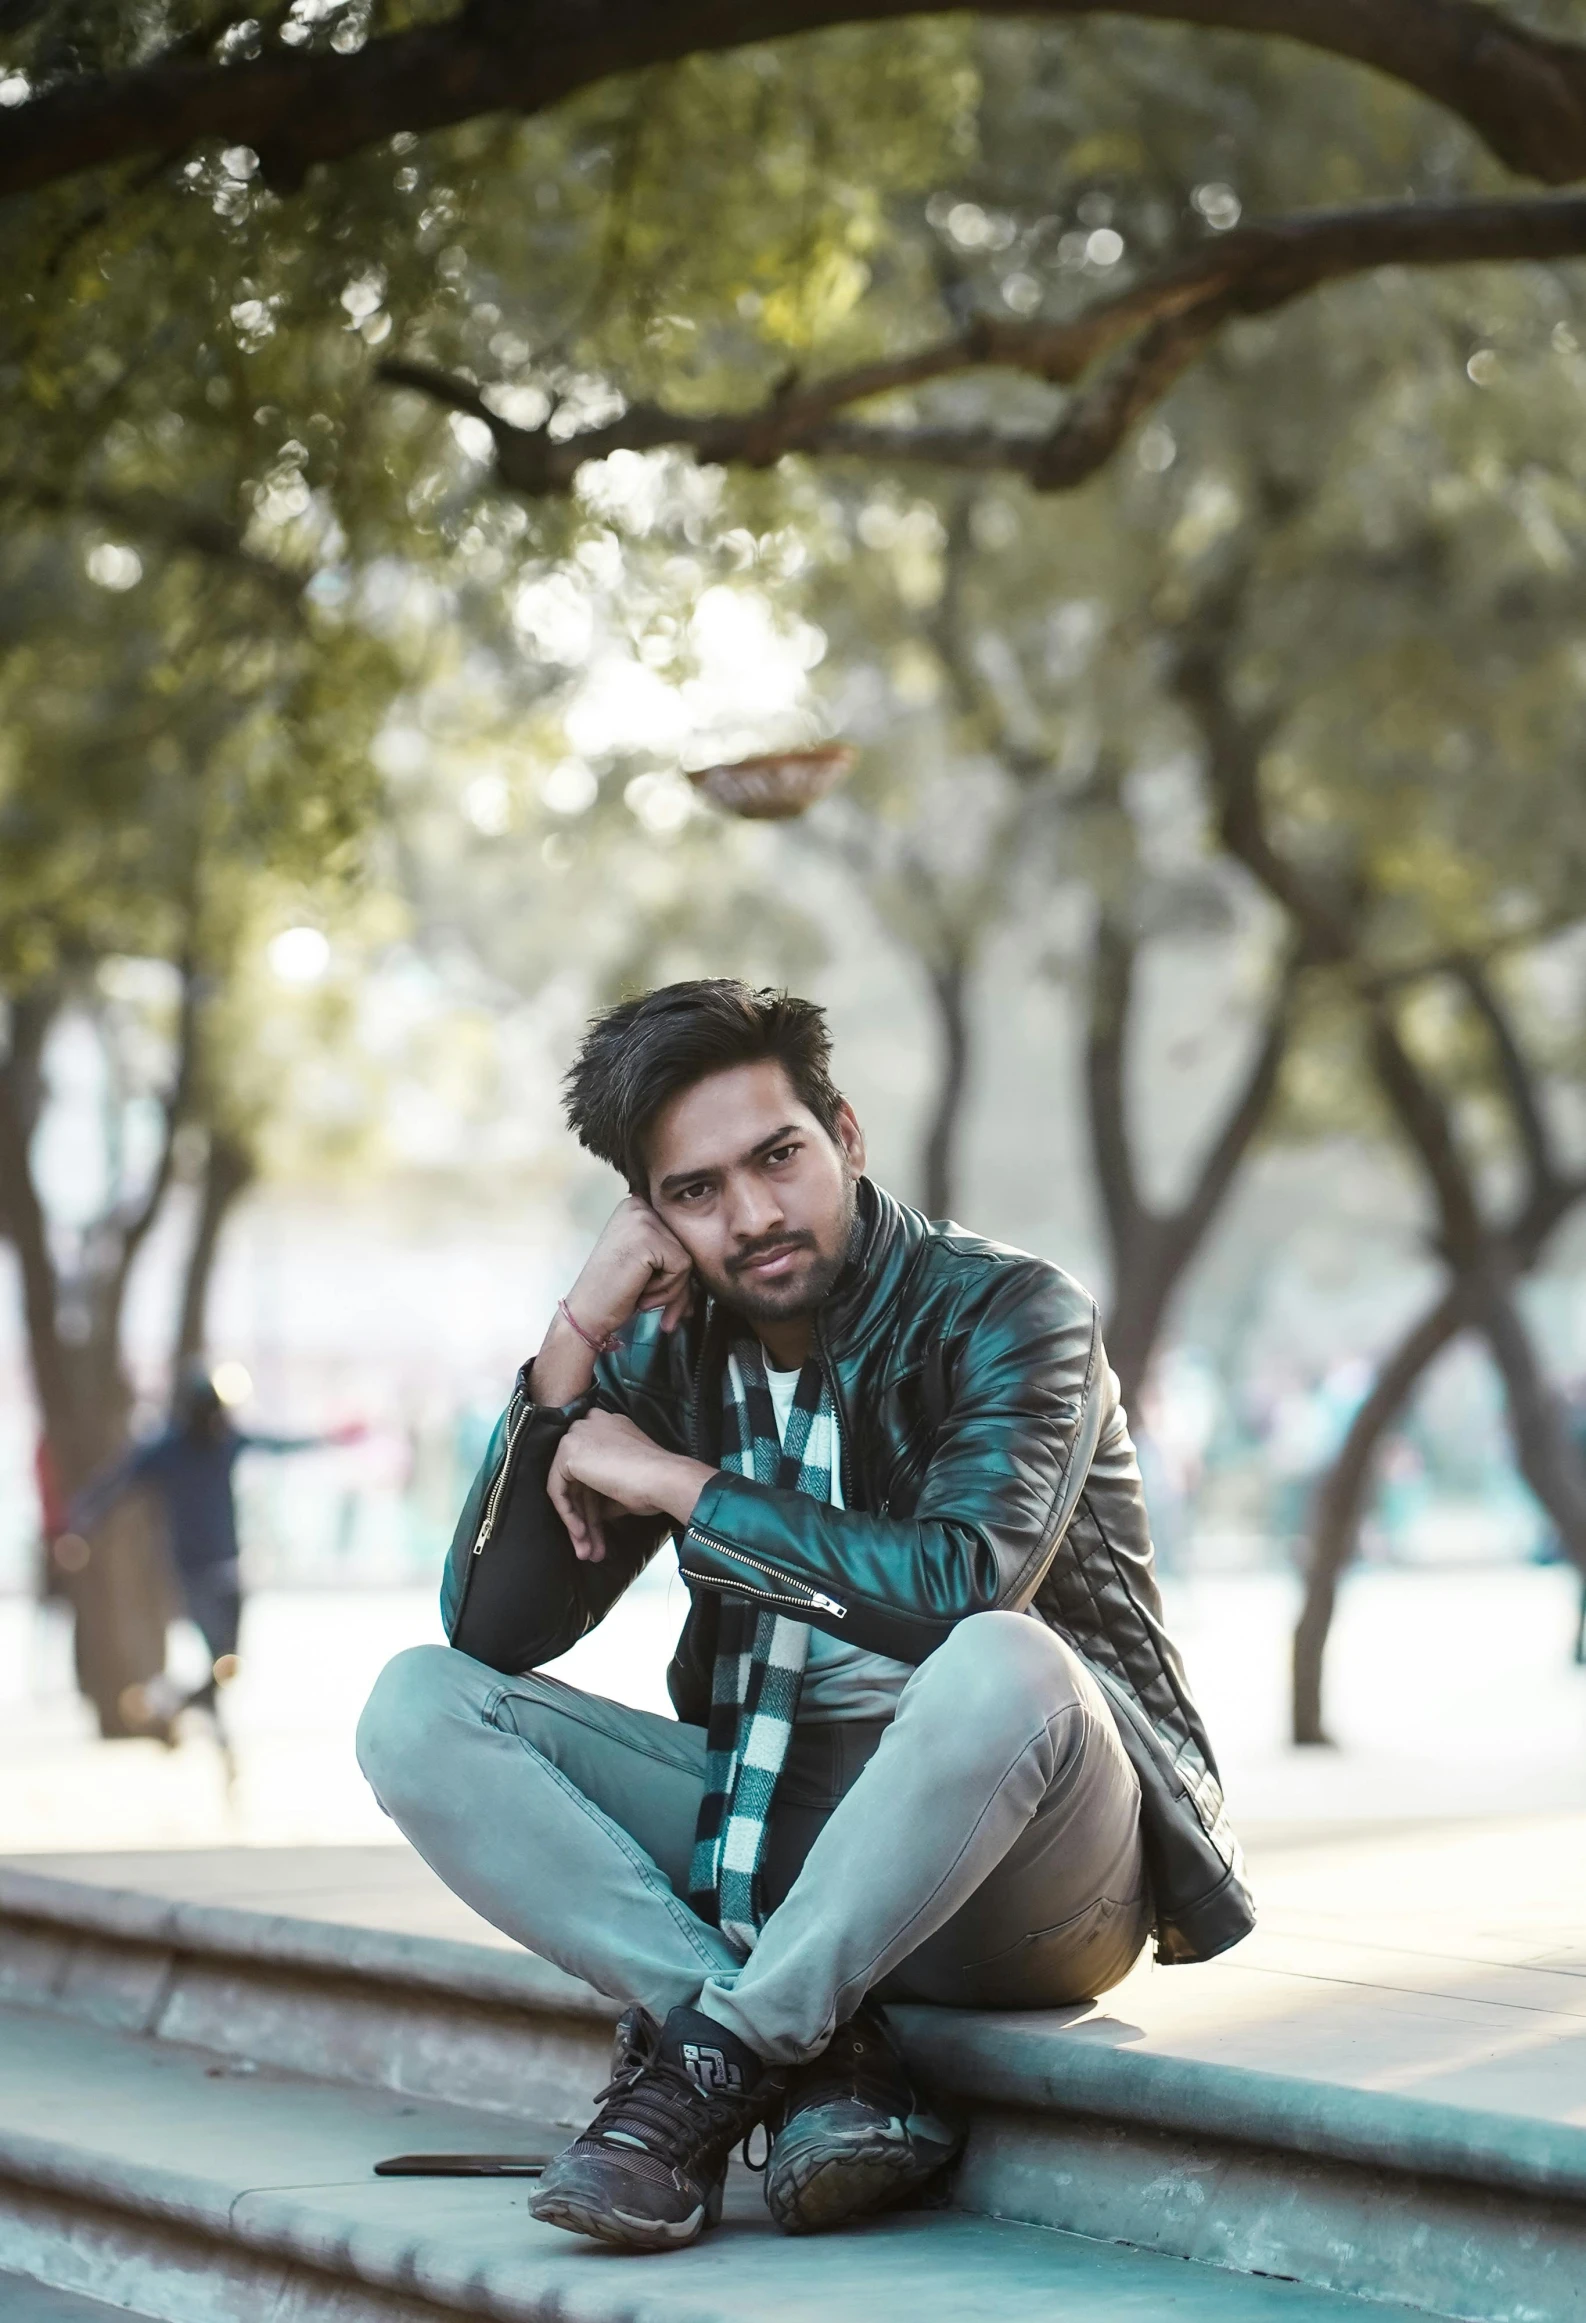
x: 932, y: 1740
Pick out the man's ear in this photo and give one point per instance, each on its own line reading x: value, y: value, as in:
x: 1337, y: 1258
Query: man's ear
x: 851, y: 1137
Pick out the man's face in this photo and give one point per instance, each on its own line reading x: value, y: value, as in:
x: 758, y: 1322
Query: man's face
x: 759, y: 1195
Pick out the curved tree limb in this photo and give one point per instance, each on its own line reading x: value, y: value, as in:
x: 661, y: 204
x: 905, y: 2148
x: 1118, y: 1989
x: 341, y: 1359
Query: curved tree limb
x: 1423, y: 1115
x: 1346, y: 1490
x: 130, y: 1222
x: 1521, y: 92
x: 172, y: 524
x: 1112, y: 966
x: 948, y: 979
x: 1525, y: 1100
x: 1252, y: 1100
x: 229, y: 1169
x: 1341, y: 1502
x: 1376, y: 983
x: 1120, y: 357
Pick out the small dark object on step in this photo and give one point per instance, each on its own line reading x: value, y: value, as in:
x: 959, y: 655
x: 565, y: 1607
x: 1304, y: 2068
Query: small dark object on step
x: 461, y: 2166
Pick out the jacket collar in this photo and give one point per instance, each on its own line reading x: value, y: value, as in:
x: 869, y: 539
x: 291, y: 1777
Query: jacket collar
x: 887, y: 1234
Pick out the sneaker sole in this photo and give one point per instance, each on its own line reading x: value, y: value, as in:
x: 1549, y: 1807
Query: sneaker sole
x: 826, y: 2186
x: 618, y: 2227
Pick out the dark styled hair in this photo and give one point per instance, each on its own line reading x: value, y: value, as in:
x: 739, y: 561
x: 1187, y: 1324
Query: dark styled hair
x: 638, y: 1056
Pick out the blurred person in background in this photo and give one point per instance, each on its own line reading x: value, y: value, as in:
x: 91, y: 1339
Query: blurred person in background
x: 932, y: 1739
x: 187, y: 1469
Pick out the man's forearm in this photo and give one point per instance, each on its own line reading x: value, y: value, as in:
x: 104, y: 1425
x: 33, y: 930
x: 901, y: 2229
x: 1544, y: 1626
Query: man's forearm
x: 564, y: 1369
x: 635, y: 1264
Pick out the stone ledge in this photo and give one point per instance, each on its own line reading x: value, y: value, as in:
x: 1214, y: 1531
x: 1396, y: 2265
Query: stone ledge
x: 1027, y: 2063
x: 473, y: 1972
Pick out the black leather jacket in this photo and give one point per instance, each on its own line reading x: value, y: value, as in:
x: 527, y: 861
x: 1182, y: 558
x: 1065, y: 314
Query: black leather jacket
x: 986, y: 1464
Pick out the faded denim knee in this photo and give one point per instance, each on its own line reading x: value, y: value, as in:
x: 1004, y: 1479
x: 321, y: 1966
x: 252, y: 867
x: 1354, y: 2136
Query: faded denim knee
x: 416, y: 1692
x: 1005, y: 1673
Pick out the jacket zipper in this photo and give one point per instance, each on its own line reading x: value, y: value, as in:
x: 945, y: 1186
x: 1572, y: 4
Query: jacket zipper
x: 800, y: 1596
x: 487, y: 1525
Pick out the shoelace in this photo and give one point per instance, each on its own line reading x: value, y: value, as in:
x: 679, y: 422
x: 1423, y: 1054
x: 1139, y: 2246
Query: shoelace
x: 653, y: 2100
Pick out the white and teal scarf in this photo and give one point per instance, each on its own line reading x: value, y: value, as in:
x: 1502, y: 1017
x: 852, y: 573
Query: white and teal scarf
x: 759, y: 1653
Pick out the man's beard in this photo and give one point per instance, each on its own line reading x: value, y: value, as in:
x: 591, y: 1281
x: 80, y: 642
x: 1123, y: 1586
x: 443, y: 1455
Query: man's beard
x: 779, y: 1302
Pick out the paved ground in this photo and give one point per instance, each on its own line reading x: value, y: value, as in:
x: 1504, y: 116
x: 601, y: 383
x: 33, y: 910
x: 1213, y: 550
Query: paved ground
x: 1451, y: 1693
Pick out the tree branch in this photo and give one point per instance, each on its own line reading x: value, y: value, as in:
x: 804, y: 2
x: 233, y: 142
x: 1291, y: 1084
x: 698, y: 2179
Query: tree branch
x: 1376, y: 983
x: 1519, y: 1086
x: 1342, y: 1499
x: 148, y: 516
x: 1521, y: 92
x: 1149, y: 334
x: 228, y: 1171
x: 1112, y: 961
x: 132, y: 1225
x: 1424, y: 1117
x: 1547, y: 1457
x: 1327, y: 925
x: 1193, y: 1218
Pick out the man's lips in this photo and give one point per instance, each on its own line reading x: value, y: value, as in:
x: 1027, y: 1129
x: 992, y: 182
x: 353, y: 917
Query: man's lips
x: 771, y: 1263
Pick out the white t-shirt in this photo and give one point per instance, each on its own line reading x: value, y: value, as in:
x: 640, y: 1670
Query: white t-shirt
x: 840, y: 1681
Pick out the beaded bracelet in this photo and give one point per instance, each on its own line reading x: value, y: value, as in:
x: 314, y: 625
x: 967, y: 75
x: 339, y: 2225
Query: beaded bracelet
x: 596, y: 1346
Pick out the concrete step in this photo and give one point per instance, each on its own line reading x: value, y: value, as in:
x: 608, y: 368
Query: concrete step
x: 1260, y: 2174
x: 22, y: 2301
x: 149, y: 2174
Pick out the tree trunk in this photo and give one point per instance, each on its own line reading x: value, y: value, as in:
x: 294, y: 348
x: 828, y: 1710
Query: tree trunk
x: 1147, y: 1271
x: 1544, y: 1449
x: 228, y: 1171
x: 949, y: 990
x: 115, y: 1582
x: 1152, y: 1250
x: 1343, y: 1495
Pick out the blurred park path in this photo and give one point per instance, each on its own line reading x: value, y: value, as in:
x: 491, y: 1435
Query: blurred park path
x: 1452, y: 1696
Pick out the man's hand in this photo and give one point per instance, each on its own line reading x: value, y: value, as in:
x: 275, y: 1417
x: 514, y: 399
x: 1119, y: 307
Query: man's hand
x: 604, y: 1467
x: 637, y: 1264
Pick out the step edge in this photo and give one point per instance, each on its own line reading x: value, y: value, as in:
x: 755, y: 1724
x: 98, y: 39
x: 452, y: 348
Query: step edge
x: 272, y: 2222
x: 974, y: 2056
x: 287, y: 2225
x: 432, y: 1964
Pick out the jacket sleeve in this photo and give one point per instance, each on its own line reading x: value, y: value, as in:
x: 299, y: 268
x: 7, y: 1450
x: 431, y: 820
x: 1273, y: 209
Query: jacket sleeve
x: 1027, y: 1399
x: 514, y: 1595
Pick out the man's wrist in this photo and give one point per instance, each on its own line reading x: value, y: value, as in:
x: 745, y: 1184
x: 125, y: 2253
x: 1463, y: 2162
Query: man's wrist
x: 679, y: 1484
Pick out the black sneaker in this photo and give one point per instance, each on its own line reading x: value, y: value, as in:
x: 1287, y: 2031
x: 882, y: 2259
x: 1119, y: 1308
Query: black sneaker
x: 852, y: 2134
x: 648, y: 2172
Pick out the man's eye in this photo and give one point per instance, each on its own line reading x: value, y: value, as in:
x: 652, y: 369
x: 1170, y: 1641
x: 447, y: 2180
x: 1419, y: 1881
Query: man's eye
x: 691, y: 1193
x: 782, y: 1153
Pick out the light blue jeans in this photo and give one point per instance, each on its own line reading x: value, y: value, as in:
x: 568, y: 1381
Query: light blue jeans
x: 981, y: 1850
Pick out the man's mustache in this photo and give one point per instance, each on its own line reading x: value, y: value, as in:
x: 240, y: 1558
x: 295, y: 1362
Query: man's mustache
x: 764, y: 1249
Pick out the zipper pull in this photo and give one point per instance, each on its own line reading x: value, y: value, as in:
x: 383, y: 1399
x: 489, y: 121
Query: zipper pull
x: 828, y: 1605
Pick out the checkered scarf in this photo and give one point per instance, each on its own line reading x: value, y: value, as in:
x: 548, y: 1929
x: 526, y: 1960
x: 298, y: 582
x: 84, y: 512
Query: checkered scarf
x: 759, y: 1653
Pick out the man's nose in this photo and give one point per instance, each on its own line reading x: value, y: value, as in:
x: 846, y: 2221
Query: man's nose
x: 754, y: 1210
